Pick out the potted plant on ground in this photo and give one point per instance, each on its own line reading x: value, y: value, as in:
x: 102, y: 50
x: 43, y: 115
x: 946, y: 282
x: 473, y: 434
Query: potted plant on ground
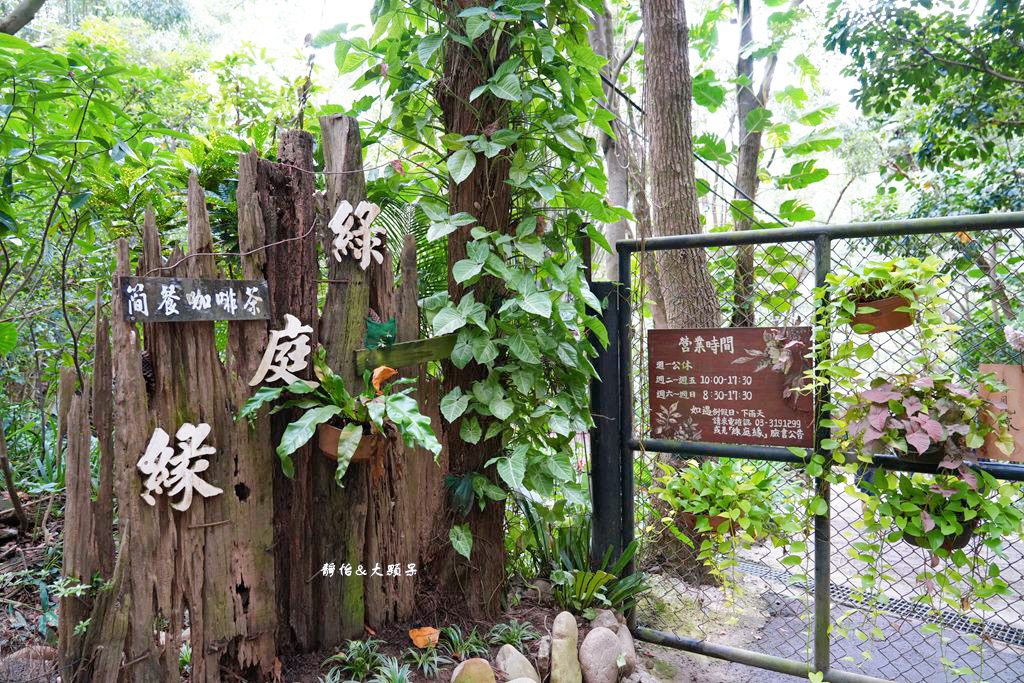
x: 363, y: 424
x: 930, y: 419
x: 716, y: 507
x: 888, y: 295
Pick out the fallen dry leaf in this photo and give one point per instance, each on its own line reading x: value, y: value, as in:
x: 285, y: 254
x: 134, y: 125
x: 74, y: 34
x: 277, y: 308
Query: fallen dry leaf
x: 425, y: 636
x: 381, y: 375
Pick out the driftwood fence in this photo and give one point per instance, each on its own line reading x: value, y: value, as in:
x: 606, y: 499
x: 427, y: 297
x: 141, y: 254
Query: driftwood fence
x: 238, y: 574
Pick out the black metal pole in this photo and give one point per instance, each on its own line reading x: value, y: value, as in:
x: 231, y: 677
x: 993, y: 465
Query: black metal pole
x: 626, y: 412
x: 822, y: 522
x: 605, y: 446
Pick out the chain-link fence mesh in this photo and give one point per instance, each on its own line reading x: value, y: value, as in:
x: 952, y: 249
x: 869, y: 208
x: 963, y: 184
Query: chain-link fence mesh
x: 752, y: 594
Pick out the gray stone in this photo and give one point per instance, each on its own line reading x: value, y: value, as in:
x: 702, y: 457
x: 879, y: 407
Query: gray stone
x: 544, y: 656
x: 628, y: 649
x: 521, y: 680
x: 565, y: 664
x: 599, y: 656
x: 605, y: 618
x: 474, y: 670
x: 514, y: 664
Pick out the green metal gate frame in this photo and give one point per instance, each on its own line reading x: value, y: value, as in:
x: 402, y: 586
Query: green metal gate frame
x: 614, y: 444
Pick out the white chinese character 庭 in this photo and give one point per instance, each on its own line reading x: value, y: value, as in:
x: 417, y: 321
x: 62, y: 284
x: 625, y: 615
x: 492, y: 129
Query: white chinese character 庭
x: 252, y: 302
x: 137, y: 301
x: 287, y: 353
x: 177, y: 473
x: 226, y: 300
x: 198, y: 301
x: 354, y: 234
x: 169, y: 299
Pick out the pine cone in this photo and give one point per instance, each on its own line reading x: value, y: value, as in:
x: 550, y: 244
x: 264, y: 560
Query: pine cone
x: 148, y: 373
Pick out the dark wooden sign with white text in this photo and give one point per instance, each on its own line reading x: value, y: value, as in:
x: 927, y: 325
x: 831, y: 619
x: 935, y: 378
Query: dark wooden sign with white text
x: 184, y: 299
x: 730, y: 385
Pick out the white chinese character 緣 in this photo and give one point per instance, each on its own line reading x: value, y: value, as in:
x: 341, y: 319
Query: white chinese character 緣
x: 354, y: 234
x: 177, y: 473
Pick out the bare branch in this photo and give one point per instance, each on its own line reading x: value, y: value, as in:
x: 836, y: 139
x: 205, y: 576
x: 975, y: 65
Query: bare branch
x: 20, y: 16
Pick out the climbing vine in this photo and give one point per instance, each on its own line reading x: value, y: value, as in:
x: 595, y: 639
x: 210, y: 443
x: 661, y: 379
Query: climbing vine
x: 525, y: 316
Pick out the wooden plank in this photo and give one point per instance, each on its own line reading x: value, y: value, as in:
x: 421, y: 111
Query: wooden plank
x: 406, y: 354
x: 186, y: 299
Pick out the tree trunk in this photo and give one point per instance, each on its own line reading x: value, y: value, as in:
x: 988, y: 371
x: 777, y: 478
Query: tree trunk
x: 616, y: 163
x: 690, y: 298
x: 746, y: 163
x: 485, y: 195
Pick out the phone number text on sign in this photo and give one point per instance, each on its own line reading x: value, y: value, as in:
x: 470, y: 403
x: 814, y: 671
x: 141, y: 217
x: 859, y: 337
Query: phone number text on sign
x: 734, y: 385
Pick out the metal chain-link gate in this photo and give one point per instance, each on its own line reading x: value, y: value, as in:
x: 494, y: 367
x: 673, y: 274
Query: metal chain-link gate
x: 810, y: 614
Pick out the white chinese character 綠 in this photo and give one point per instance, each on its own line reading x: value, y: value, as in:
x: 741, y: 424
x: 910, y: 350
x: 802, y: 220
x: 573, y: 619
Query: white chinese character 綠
x: 198, y: 301
x: 169, y: 299
x: 252, y: 302
x: 137, y: 301
x: 354, y: 234
x: 287, y: 353
x: 226, y: 300
x: 177, y: 473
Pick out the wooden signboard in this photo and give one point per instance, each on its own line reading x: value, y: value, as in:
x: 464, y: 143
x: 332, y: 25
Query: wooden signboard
x: 730, y: 385
x: 183, y: 299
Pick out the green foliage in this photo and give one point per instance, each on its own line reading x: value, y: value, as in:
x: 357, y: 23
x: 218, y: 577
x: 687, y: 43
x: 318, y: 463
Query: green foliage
x: 357, y: 661
x: 963, y: 66
x: 380, y: 407
x: 392, y: 671
x: 427, y: 661
x: 461, y: 646
x: 515, y: 633
x: 927, y: 414
x: 531, y: 337
x: 581, y: 589
x: 717, y: 507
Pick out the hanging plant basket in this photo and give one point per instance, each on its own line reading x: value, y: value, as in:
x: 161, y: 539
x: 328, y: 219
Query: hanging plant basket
x: 885, y: 318
x: 371, y: 446
x: 932, y: 456
x: 954, y: 542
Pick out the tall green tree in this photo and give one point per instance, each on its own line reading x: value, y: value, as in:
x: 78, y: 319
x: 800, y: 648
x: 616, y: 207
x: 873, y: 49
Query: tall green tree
x: 488, y: 116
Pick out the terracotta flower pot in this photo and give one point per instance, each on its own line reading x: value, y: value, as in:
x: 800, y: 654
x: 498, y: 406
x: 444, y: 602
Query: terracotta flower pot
x: 954, y: 542
x: 370, y: 446
x: 689, y: 520
x: 886, y: 318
